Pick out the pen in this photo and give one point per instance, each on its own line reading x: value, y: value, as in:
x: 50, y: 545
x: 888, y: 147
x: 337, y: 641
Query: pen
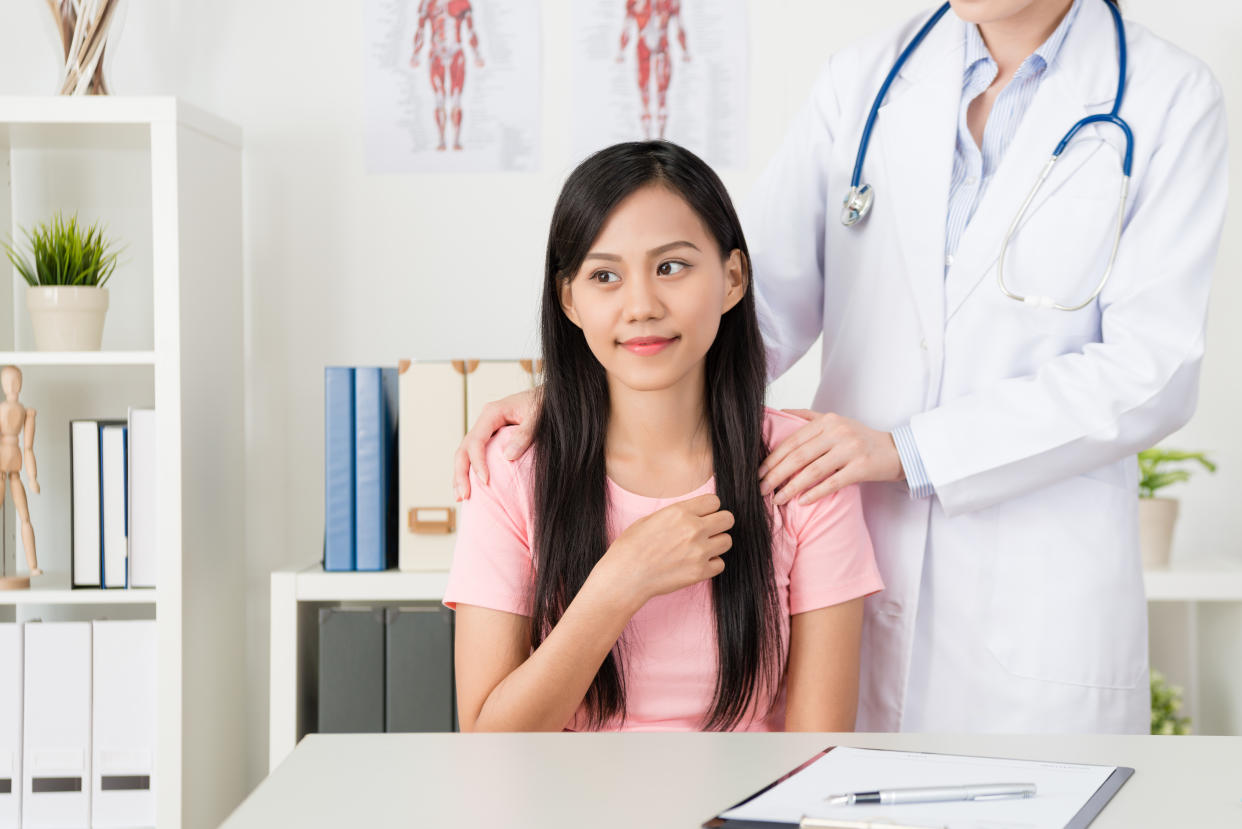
x: 932, y: 794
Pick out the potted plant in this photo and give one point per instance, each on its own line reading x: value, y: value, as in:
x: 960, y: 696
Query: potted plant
x: 1166, y: 702
x: 66, y: 274
x: 1157, y: 515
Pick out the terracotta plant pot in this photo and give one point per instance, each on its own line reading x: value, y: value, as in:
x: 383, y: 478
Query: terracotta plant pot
x: 1157, y: 516
x: 67, y: 317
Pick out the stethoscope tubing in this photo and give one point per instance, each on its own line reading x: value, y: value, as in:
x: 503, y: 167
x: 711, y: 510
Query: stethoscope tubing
x: 859, y: 198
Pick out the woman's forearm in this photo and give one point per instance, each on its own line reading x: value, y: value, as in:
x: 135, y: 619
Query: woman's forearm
x: 545, y: 691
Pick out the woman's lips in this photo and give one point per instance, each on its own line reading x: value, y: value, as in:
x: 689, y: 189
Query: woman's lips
x: 646, y: 346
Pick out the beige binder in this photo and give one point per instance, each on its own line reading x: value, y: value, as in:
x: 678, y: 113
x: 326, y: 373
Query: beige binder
x: 432, y: 416
x: 438, y: 403
x: 488, y: 380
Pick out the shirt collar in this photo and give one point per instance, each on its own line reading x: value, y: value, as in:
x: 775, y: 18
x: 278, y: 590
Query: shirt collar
x: 1040, y: 59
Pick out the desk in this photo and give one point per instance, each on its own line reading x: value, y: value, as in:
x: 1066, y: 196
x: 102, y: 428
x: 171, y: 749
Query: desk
x: 549, y: 781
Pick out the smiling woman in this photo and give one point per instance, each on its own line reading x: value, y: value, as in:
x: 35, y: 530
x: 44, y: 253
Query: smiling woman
x: 627, y: 572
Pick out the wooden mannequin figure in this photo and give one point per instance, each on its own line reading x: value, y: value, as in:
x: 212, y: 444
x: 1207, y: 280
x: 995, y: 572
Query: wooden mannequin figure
x: 16, y: 420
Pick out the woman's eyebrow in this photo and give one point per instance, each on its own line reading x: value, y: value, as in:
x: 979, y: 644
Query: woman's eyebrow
x: 671, y: 246
x: 612, y: 257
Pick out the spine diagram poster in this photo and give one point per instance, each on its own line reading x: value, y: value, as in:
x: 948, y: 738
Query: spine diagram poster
x: 451, y: 85
x: 671, y: 69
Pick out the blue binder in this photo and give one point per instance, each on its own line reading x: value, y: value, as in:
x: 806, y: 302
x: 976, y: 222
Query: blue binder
x: 375, y: 446
x: 338, y: 478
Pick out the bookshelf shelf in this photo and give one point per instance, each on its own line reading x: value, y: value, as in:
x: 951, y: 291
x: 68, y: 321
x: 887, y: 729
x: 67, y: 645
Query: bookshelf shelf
x: 1195, y: 581
x: 77, y: 358
x: 165, y: 179
x: 57, y: 592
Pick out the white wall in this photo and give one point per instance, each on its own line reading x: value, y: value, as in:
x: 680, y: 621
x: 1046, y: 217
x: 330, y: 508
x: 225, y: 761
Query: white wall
x: 345, y: 267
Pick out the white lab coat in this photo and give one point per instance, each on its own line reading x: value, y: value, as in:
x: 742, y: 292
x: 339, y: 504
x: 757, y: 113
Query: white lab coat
x: 1014, y: 598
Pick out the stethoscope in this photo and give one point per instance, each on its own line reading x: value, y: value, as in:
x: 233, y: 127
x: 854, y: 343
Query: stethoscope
x: 858, y: 199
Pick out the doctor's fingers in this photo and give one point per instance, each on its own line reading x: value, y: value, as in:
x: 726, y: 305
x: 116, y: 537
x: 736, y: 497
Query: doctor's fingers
x: 815, y: 472
x: 793, y: 453
x: 851, y: 473
x: 472, y: 452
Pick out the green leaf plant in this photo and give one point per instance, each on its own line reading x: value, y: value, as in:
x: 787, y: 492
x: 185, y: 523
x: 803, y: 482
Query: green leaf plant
x: 64, y: 253
x: 1154, y: 473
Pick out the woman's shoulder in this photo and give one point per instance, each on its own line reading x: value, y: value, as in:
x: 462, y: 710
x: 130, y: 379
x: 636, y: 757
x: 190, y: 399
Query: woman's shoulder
x: 511, y: 479
x: 777, y: 426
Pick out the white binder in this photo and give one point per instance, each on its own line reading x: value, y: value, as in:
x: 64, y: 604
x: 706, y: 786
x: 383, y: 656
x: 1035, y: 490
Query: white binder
x: 87, y: 518
x: 488, y: 380
x: 115, y: 520
x: 123, y: 740
x: 56, y: 761
x: 10, y: 725
x: 143, y: 548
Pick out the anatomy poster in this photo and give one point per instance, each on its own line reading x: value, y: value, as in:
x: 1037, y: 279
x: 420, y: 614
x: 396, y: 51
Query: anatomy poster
x: 673, y: 69
x: 451, y: 85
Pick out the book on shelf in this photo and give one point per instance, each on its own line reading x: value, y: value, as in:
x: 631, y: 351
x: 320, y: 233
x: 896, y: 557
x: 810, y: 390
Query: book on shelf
x: 360, y: 468
x: 113, y: 571
x: 143, y: 494
x: 338, y: 478
x: 375, y: 460
x: 113, y: 502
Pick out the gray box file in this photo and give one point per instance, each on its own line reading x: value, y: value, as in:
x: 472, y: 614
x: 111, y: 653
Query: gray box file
x: 420, y: 668
x: 351, y: 670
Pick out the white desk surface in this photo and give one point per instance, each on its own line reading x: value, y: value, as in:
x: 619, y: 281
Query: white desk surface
x: 548, y: 781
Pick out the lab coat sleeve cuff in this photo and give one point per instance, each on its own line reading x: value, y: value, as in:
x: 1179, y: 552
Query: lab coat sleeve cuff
x: 912, y: 462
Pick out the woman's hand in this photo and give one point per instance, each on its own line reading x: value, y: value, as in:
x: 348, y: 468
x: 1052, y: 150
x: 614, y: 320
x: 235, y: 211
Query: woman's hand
x: 516, y: 409
x: 672, y: 548
x: 827, y: 454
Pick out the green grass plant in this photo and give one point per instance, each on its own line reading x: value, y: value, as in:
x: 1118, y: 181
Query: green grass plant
x: 65, y: 253
x: 1155, y: 475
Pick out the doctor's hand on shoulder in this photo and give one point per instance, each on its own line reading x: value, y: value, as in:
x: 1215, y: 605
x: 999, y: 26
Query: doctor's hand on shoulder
x: 827, y: 454
x: 517, y: 410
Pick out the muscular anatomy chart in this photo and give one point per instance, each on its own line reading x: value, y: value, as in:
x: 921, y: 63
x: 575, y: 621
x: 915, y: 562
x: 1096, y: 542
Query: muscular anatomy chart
x: 447, y: 21
x: 674, y: 69
x: 650, y: 22
x: 451, y: 85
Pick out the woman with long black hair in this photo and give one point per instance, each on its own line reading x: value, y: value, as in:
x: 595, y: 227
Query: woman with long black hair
x: 627, y: 573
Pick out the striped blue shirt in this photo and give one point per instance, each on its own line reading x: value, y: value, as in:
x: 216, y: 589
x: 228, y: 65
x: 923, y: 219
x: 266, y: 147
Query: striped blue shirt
x: 973, y: 167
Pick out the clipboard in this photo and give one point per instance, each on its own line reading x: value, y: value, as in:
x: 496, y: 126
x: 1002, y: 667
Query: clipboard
x: 1082, y: 819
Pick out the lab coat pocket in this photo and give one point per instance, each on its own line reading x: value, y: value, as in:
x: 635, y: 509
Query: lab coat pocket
x: 1067, y: 601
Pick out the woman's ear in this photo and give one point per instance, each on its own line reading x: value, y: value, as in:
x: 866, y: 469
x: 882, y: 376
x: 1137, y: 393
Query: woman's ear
x: 737, y: 279
x: 567, y: 302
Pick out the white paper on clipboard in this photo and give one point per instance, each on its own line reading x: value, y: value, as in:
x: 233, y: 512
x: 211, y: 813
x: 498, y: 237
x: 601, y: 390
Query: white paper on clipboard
x: 1062, y: 789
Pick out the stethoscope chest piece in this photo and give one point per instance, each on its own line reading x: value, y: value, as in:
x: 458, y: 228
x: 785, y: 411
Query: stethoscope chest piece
x: 857, y: 204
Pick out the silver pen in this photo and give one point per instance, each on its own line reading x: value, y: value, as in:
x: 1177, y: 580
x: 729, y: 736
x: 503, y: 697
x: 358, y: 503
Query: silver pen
x: 933, y: 794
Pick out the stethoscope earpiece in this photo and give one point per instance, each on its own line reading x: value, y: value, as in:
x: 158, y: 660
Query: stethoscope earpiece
x: 857, y: 204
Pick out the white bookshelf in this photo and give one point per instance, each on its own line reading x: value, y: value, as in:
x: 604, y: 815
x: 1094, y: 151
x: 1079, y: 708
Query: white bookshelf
x: 165, y: 178
x: 297, y: 595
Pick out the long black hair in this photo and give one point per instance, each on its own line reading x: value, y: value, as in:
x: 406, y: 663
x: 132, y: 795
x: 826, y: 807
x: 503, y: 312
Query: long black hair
x: 571, y: 495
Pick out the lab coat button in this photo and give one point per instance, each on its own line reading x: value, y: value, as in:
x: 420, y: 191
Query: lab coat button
x: 948, y: 260
x: 971, y: 181
x: 923, y: 344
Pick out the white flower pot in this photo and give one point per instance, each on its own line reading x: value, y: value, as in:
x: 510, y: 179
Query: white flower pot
x: 1157, y: 517
x: 67, y: 317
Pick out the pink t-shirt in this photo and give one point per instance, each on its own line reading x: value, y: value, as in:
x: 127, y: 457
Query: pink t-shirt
x: 822, y: 555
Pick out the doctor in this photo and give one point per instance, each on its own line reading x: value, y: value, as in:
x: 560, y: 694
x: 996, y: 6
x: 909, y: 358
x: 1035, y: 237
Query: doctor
x: 1014, y: 597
